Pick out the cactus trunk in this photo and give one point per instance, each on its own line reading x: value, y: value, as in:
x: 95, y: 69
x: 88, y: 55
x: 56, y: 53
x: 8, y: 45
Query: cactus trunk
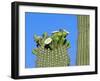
x: 83, y: 40
x: 52, y: 58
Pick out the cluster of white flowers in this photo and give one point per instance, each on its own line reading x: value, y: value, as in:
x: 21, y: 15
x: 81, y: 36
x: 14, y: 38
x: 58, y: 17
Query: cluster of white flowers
x: 49, y: 40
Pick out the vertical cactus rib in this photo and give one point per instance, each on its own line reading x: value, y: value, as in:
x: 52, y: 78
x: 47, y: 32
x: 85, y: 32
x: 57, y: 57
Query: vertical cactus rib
x: 53, y: 58
x: 83, y: 40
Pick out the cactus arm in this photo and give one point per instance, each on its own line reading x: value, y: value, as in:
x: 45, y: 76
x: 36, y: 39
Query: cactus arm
x: 36, y: 38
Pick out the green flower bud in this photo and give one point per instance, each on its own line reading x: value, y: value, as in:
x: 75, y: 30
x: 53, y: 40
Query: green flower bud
x: 45, y: 35
x: 68, y: 44
x: 36, y: 38
x: 59, y: 34
x: 64, y: 34
x: 34, y: 51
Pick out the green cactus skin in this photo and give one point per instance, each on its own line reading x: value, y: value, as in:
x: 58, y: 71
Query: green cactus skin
x: 83, y: 40
x: 52, y: 58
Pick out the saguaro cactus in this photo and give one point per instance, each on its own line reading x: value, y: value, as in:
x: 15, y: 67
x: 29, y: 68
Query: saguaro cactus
x: 52, y: 50
x: 83, y: 40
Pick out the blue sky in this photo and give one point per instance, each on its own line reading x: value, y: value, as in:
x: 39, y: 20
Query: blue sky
x: 37, y: 23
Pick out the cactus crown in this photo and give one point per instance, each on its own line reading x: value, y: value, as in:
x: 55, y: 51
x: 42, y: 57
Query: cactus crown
x: 56, y: 39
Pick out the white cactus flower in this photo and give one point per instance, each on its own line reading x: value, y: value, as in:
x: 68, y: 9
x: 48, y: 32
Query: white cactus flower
x: 48, y: 40
x: 65, y: 31
x: 55, y: 32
